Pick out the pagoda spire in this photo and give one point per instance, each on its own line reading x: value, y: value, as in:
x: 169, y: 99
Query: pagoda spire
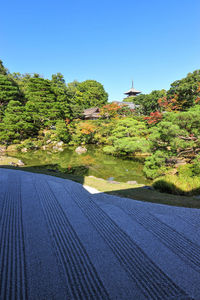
x: 132, y: 92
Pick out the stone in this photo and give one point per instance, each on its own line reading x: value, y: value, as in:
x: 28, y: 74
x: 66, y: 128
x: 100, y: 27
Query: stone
x: 148, y: 187
x: 110, y: 178
x: 55, y: 148
x: 173, y: 171
x: 80, y: 150
x: 13, y: 164
x: 132, y: 182
x: 2, y: 148
x: 59, y: 144
x: 20, y: 163
x: 180, y: 163
x: 114, y: 182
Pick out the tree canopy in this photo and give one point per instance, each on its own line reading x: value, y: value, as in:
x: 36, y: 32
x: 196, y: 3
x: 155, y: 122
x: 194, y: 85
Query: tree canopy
x: 149, y: 102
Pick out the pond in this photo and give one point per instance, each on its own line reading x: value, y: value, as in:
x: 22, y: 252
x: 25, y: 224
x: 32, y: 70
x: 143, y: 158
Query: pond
x: 92, y: 163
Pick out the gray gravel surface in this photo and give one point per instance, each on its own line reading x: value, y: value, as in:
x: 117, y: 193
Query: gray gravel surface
x: 58, y: 241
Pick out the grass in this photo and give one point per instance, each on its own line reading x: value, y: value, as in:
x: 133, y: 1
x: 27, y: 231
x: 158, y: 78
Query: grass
x: 135, y: 192
x: 178, y: 185
x: 6, y: 160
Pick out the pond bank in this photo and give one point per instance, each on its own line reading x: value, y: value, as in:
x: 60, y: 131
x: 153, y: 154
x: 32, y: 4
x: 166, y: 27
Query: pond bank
x: 92, y: 163
x: 135, y: 192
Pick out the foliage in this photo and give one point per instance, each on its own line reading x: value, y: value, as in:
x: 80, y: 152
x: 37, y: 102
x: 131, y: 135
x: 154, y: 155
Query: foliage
x: 86, y: 94
x: 149, y: 102
x: 130, y: 145
x: 82, y: 132
x: 178, y: 185
x: 110, y: 110
x: 17, y: 124
x: 63, y: 96
x: 195, y: 167
x: 155, y: 165
x: 3, y: 70
x: 9, y: 91
x: 154, y: 118
x: 186, y: 91
x: 164, y: 124
x: 129, y: 127
x: 114, y: 110
x: 43, y: 101
x: 177, y: 136
x: 128, y: 137
x: 62, y: 131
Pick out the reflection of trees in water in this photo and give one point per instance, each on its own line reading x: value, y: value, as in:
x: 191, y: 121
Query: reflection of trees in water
x: 94, y: 162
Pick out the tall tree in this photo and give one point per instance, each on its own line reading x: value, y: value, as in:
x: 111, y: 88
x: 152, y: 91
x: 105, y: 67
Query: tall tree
x: 63, y: 95
x: 148, y: 103
x: 17, y: 123
x: 185, y: 92
x: 42, y: 99
x: 3, y: 70
x: 90, y: 93
x: 8, y: 91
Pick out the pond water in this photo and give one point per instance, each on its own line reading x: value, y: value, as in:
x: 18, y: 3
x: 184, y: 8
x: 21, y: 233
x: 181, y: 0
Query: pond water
x: 94, y: 163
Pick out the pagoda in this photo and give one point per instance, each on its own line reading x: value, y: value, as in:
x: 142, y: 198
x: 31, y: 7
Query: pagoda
x: 132, y: 92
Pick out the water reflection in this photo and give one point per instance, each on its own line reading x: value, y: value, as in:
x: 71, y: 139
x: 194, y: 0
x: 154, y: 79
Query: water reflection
x: 93, y: 163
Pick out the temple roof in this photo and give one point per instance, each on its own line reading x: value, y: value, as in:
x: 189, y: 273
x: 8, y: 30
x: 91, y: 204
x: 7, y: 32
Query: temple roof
x: 132, y: 91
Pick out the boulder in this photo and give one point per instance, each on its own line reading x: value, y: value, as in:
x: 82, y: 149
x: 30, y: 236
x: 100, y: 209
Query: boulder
x: 180, y: 162
x: 55, y: 148
x: 132, y: 182
x: 59, y: 144
x: 148, y: 187
x: 80, y: 150
x: 20, y: 163
x: 13, y: 164
x: 113, y: 182
x: 2, y: 148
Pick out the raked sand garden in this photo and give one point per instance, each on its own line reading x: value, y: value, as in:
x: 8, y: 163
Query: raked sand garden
x: 59, y: 241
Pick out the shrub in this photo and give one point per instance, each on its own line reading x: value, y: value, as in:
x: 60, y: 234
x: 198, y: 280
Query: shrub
x: 178, y: 185
x: 109, y: 150
x: 155, y: 165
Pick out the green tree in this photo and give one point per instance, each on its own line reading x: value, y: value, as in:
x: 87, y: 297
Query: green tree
x: 155, y: 165
x: 63, y: 95
x: 128, y: 137
x: 42, y: 99
x: 62, y: 132
x: 3, y: 70
x: 86, y: 94
x: 185, y: 91
x: 8, y: 91
x: 17, y: 124
x: 148, y: 102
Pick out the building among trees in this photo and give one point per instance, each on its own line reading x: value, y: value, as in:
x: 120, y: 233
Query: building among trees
x: 92, y: 113
x: 132, y: 92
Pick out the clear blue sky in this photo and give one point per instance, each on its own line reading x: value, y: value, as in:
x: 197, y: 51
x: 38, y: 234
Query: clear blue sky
x: 153, y: 42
